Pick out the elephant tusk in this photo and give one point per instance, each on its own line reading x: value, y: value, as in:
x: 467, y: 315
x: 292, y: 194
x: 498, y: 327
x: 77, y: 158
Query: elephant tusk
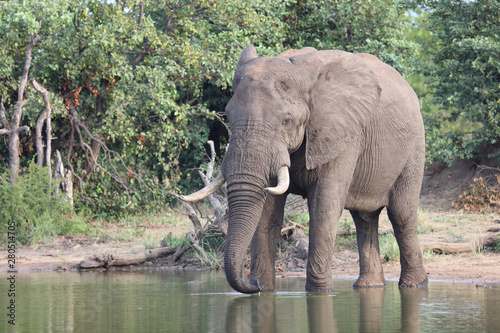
x: 204, y: 192
x: 283, y: 182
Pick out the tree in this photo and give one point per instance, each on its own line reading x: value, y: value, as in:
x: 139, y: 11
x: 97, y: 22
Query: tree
x: 137, y: 87
x: 465, y: 69
x: 374, y: 26
x: 128, y: 80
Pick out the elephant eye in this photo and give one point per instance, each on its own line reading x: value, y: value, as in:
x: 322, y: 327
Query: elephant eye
x: 287, y: 120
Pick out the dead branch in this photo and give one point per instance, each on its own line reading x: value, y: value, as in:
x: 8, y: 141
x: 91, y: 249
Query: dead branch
x: 198, y: 249
x: 185, y: 245
x: 108, y: 260
x: 44, y: 115
x: 66, y: 185
x: 190, y: 212
x: 213, y: 227
x: 475, y: 245
x: 207, y: 178
x: 285, y: 231
x: 38, y: 137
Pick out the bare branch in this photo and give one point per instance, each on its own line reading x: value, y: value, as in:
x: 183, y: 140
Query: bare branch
x: 219, y: 118
x: 202, y: 252
x: 5, y: 131
x: 22, y: 128
x: 190, y: 212
x: 38, y: 137
x: 46, y: 114
x: 44, y: 92
x: 208, y: 177
x: 16, y: 116
x: 141, y: 13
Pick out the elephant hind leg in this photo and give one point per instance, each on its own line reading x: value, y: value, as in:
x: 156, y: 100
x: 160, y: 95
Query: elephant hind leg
x: 371, y: 273
x: 403, y: 214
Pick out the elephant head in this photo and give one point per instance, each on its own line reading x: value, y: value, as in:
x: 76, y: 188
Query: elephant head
x: 318, y: 100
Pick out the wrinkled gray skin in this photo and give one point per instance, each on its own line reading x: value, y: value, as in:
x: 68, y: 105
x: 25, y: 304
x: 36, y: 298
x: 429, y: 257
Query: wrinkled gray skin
x: 349, y: 128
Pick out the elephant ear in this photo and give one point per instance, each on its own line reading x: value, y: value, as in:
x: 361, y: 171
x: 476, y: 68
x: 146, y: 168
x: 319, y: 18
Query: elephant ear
x: 248, y: 54
x: 345, y: 94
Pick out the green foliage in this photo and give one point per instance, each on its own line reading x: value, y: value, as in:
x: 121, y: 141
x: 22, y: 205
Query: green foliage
x: 375, y: 26
x: 389, y: 247
x: 346, y: 226
x: 496, y: 248
x: 465, y: 71
x: 170, y: 240
x: 149, y: 87
x: 31, y: 207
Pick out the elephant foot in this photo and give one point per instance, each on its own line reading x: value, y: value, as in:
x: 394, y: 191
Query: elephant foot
x: 409, y: 281
x: 319, y: 287
x: 366, y: 281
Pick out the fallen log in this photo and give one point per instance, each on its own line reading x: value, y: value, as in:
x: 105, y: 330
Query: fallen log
x: 475, y: 245
x: 108, y: 260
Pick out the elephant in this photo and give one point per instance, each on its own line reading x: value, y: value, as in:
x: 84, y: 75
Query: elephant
x: 344, y: 131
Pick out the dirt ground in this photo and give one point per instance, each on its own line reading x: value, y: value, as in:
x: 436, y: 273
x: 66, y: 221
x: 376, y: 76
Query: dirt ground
x: 440, y: 225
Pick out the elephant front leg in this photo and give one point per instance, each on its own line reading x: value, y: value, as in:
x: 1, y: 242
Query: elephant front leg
x: 265, y: 242
x: 324, y: 215
x: 370, y: 266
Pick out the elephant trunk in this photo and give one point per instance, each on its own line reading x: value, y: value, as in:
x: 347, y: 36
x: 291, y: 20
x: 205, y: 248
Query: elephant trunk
x: 246, y: 202
x: 250, y: 166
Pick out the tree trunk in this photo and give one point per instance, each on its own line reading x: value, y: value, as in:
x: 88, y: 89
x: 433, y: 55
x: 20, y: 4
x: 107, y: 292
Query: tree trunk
x: 13, y: 144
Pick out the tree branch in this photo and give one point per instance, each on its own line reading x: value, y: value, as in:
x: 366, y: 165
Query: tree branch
x: 109, y: 154
x: 44, y: 115
x: 141, y: 12
x: 38, y: 137
x: 207, y: 178
x: 22, y: 128
x: 16, y: 116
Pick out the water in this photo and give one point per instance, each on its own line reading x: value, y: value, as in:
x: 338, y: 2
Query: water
x: 177, y: 301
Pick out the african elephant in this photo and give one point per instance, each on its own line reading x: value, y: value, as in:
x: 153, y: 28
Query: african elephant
x: 344, y: 131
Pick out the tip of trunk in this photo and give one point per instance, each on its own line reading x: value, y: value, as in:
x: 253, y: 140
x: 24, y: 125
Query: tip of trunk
x: 242, y: 285
x: 236, y: 278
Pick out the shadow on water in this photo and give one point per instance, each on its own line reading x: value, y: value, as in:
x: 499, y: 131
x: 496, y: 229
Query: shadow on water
x: 176, y: 301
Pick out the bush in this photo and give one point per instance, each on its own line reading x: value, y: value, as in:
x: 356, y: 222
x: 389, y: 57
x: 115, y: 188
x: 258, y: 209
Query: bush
x: 482, y: 196
x: 31, y: 207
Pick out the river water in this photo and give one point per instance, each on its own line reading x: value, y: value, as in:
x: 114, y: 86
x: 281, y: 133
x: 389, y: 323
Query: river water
x: 202, y: 301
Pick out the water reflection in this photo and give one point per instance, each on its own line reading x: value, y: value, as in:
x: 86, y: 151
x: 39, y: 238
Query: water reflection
x: 374, y: 310
x: 371, y: 301
x: 320, y: 313
x: 411, y: 298
x: 252, y: 314
x: 167, y: 302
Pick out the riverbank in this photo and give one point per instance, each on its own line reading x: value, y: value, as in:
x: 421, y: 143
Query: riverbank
x: 474, y: 262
